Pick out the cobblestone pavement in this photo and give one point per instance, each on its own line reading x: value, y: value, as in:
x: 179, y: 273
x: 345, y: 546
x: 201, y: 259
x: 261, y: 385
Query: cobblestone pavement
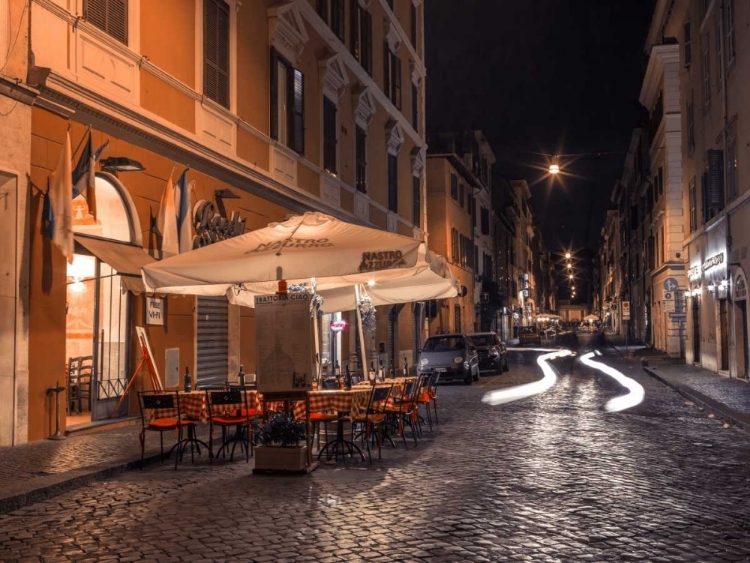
x: 549, y: 478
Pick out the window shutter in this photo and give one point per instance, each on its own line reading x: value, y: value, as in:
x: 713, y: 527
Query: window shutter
x: 323, y: 10
x: 413, y: 25
x: 415, y: 107
x: 329, y: 135
x: 111, y: 16
x: 216, y: 51
x: 386, y: 69
x: 396, y: 81
x: 274, y: 95
x: 338, y: 17
x: 416, y: 201
x: 297, y: 123
x: 688, y: 45
x: 716, y: 180
x: 355, y: 18
x: 704, y: 197
x: 367, y: 41
x: 393, y: 183
x: 361, y: 157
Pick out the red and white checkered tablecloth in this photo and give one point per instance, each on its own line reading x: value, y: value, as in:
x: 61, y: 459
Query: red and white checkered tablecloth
x: 193, y: 405
x: 352, y: 401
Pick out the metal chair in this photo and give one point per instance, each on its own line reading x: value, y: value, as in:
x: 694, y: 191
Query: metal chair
x: 220, y: 414
x: 373, y: 418
x: 160, y: 412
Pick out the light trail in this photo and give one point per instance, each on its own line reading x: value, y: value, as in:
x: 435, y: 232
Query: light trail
x: 501, y: 396
x: 522, y: 349
x: 635, y: 390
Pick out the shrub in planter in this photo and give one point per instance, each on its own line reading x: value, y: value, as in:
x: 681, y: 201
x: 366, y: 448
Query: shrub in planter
x: 280, y: 450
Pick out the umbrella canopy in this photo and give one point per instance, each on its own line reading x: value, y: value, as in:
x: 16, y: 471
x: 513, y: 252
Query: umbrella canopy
x: 430, y: 278
x: 591, y: 318
x: 306, y: 246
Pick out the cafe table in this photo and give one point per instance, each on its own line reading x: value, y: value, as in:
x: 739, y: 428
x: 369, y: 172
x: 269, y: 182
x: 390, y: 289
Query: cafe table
x: 351, y: 401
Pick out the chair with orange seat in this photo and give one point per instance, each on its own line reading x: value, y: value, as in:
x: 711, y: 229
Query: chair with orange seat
x: 403, y: 411
x: 229, y: 409
x: 373, y: 418
x: 318, y: 418
x: 160, y: 412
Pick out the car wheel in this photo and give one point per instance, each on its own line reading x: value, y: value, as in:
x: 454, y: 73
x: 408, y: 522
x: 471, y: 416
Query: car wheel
x: 476, y: 376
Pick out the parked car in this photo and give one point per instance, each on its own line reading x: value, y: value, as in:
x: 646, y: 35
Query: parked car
x: 529, y: 335
x: 453, y: 356
x: 492, y: 354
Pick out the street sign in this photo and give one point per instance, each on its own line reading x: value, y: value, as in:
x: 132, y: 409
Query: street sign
x: 668, y: 296
x: 671, y: 285
x: 668, y: 306
x: 626, y: 310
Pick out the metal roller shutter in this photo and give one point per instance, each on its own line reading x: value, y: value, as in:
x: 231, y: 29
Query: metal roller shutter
x: 213, y: 341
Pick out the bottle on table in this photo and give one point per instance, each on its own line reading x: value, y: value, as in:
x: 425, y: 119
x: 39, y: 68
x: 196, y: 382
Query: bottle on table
x: 241, y: 376
x: 188, y: 381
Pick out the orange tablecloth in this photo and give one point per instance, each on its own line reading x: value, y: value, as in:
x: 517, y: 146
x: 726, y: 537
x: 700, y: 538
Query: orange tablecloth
x: 352, y: 401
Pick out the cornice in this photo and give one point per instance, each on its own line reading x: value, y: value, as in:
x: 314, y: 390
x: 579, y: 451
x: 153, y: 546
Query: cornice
x: 661, y: 55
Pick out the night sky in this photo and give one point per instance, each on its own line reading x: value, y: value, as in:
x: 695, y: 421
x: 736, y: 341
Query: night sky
x: 544, y: 76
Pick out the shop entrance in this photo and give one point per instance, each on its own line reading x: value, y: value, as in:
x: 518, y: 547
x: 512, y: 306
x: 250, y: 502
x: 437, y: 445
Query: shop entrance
x: 724, y: 335
x: 696, y: 331
x: 98, y: 309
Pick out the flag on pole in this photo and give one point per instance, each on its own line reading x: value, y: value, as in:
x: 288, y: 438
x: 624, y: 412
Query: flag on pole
x: 84, y: 178
x: 60, y: 210
x: 166, y: 221
x: 184, y: 222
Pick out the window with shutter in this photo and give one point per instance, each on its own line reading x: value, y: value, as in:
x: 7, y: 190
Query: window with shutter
x: 461, y: 195
x: 691, y: 123
x: 396, y: 94
x: 287, y: 103
x: 715, y: 181
x: 485, y: 221
x: 361, y: 157
x: 387, y: 71
x: 392, y: 183
x: 416, y: 201
x: 731, y: 48
x: 323, y: 10
x: 415, y: 107
x: 361, y: 35
x: 216, y: 51
x: 329, y: 135
x: 687, y: 45
x: 413, y: 22
x: 111, y: 16
x: 693, y: 207
x: 706, y: 63
x: 338, y: 17
x: 454, y: 186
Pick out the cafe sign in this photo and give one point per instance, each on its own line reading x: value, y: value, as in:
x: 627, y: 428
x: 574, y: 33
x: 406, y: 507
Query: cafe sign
x: 712, y: 261
x: 211, y: 227
x: 154, y: 311
x: 694, y: 273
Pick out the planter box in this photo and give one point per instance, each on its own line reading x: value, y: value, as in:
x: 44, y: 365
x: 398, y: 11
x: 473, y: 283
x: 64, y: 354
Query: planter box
x: 276, y: 459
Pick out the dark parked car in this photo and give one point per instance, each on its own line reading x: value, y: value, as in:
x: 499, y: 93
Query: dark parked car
x: 493, y: 356
x: 529, y: 335
x: 453, y: 356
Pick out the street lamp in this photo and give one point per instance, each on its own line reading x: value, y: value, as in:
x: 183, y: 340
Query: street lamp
x: 567, y: 255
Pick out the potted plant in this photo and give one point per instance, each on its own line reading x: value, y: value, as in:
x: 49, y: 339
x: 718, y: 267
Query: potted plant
x: 280, y: 450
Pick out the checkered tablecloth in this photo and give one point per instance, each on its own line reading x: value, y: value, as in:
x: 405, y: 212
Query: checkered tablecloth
x: 352, y: 401
x: 193, y: 406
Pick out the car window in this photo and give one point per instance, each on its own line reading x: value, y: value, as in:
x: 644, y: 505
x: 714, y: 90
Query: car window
x: 484, y: 339
x: 444, y: 344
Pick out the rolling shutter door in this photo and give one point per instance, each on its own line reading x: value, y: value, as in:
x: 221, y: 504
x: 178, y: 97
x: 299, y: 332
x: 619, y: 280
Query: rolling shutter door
x: 213, y: 341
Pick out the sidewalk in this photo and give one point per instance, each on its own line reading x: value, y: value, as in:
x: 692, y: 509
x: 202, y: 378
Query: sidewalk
x: 40, y: 470
x: 728, y: 398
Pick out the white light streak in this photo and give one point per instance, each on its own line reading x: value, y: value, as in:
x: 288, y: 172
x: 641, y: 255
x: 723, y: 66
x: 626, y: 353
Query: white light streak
x: 501, y: 396
x: 635, y: 390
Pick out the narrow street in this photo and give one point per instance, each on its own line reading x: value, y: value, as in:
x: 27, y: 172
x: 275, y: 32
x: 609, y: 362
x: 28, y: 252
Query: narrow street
x: 549, y: 478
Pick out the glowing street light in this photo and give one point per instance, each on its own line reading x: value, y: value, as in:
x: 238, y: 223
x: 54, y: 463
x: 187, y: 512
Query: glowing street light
x: 567, y: 255
x: 571, y: 276
x: 554, y: 168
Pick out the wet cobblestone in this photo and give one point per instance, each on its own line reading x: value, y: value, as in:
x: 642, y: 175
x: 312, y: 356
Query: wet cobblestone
x: 550, y: 478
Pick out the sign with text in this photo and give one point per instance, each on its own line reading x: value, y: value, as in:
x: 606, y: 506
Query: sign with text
x: 626, y: 310
x: 284, y: 343
x: 668, y: 306
x: 155, y: 311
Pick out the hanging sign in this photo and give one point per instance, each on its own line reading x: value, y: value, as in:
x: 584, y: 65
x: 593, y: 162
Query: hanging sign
x: 626, y: 310
x: 338, y: 326
x: 210, y: 227
x: 155, y: 311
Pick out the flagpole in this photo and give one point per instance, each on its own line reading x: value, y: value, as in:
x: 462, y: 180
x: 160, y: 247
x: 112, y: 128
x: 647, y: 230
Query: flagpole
x: 80, y: 144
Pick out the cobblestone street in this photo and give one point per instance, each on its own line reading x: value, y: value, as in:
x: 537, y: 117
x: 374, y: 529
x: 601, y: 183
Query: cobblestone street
x: 549, y: 478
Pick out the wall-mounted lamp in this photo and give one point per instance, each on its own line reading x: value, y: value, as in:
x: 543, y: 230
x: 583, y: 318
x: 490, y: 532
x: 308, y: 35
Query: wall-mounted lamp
x: 687, y: 293
x: 723, y: 284
x: 121, y: 164
x: 711, y: 287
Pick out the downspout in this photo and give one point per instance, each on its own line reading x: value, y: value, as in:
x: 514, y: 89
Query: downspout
x: 725, y: 143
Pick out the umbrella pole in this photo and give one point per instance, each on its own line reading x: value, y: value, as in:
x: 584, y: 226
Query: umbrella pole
x: 361, y: 334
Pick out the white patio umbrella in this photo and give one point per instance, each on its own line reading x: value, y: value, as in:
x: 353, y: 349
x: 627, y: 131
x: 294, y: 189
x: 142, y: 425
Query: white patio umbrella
x: 306, y: 246
x: 591, y: 318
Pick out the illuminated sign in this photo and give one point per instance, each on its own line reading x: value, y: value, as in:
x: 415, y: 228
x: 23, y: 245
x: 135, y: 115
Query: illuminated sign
x: 694, y: 273
x: 712, y: 261
x: 338, y: 326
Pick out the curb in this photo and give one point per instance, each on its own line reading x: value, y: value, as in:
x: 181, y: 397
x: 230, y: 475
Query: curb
x: 14, y: 502
x: 702, y: 401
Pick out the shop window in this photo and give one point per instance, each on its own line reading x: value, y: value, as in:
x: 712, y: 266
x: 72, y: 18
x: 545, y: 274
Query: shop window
x: 111, y: 16
x: 216, y: 51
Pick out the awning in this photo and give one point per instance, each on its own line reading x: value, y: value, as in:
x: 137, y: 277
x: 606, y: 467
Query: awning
x: 127, y: 259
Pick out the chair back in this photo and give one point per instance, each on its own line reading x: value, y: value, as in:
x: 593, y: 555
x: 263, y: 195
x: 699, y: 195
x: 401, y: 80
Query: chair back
x: 233, y: 396
x: 379, y: 396
x: 152, y: 401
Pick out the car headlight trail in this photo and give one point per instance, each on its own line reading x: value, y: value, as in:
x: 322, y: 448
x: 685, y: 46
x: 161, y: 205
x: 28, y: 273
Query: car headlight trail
x: 635, y: 390
x: 501, y: 396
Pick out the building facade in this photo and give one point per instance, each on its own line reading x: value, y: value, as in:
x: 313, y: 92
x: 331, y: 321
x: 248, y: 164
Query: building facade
x: 276, y: 108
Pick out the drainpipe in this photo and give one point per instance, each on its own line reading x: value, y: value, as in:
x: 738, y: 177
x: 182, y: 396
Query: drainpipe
x: 725, y: 142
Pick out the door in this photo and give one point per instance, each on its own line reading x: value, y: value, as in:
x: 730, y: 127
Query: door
x: 213, y: 341
x: 696, y: 330
x: 724, y: 328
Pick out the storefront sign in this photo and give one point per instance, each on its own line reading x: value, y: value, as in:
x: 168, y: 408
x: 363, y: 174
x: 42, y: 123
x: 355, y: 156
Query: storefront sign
x: 284, y: 343
x: 338, y: 326
x: 210, y: 227
x: 714, y: 260
x: 694, y: 273
x: 382, y: 260
x: 155, y: 311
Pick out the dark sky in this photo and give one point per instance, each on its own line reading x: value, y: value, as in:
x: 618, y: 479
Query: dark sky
x: 547, y: 76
